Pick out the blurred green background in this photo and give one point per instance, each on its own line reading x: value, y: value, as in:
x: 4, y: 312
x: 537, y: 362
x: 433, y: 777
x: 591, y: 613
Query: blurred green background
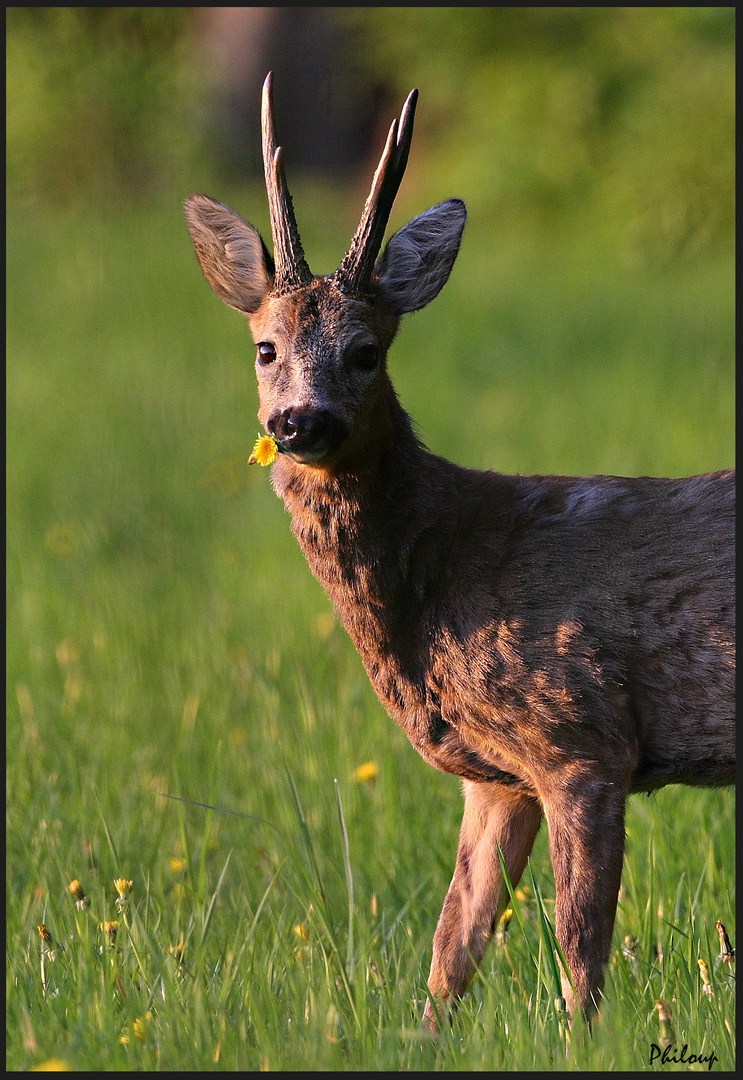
x: 164, y: 631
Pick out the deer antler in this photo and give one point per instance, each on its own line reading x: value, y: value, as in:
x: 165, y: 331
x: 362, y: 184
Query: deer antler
x: 291, y: 266
x: 354, y: 273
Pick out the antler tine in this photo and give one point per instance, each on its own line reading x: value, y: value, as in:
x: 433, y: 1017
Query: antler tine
x: 291, y: 266
x: 354, y: 273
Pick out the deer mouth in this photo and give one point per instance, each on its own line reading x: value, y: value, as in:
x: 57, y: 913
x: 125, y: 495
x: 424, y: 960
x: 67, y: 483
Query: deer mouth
x: 314, y: 456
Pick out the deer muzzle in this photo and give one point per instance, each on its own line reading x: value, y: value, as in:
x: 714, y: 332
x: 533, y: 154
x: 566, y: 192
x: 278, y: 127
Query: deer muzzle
x: 307, y: 435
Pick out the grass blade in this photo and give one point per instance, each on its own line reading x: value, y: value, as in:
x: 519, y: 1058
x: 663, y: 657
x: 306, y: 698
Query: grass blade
x: 349, y: 875
x: 548, y: 937
x: 515, y: 904
x: 213, y: 901
x: 111, y: 844
x: 322, y: 907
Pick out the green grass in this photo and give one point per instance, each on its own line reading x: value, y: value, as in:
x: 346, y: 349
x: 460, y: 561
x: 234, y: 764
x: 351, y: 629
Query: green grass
x: 165, y: 635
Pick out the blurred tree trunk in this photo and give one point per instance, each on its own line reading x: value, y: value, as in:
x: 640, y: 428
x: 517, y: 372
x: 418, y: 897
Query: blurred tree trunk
x: 324, y: 111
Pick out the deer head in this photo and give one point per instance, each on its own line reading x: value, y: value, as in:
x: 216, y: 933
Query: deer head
x: 322, y: 341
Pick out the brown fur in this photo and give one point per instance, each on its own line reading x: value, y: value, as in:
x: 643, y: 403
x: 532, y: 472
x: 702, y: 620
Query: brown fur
x: 558, y: 642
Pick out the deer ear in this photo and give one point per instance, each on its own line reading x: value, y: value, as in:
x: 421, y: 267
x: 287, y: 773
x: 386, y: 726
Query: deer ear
x: 231, y: 252
x: 417, y: 261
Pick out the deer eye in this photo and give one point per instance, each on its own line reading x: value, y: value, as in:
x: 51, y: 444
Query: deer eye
x: 266, y: 353
x: 365, y: 358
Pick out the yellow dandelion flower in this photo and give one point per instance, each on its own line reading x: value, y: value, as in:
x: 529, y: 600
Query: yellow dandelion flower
x: 265, y: 451
x: 110, y: 929
x: 176, y: 864
x: 367, y: 772
x: 667, y: 1034
x: 706, y: 982
x: 301, y: 931
x: 51, y: 944
x: 123, y: 888
x: 81, y: 900
x: 140, y: 1026
x: 727, y: 952
x: 52, y: 1065
x: 177, y: 950
x: 325, y: 624
x: 504, y: 923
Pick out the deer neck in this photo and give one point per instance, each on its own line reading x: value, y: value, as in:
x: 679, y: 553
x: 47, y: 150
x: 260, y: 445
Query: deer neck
x: 384, y: 541
x: 360, y: 526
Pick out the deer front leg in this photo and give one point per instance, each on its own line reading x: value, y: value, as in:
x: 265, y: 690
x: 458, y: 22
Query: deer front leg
x: 586, y: 837
x: 477, y: 895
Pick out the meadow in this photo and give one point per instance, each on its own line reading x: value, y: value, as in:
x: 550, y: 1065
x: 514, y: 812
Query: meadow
x: 165, y: 638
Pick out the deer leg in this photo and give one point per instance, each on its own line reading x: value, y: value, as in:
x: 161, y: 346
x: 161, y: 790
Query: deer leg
x: 477, y: 894
x: 586, y: 836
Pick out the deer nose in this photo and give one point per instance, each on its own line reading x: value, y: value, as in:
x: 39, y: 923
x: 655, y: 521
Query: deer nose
x: 307, y: 434
x: 296, y: 425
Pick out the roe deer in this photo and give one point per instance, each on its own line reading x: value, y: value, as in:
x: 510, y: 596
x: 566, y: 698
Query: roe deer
x: 558, y: 642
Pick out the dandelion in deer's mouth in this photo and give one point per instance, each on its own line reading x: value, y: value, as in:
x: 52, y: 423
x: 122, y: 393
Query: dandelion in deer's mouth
x: 265, y: 451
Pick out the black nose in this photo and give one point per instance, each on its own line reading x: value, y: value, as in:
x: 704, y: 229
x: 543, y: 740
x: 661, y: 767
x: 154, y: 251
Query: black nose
x: 296, y: 425
x: 307, y: 433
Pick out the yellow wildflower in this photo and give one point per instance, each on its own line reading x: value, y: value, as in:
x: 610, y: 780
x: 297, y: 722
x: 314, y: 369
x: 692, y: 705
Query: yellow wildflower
x: 177, y: 950
x: 109, y: 929
x: 264, y: 451
x: 301, y: 931
x: 139, y: 1028
x: 52, y: 1065
x: 123, y: 888
x: 667, y: 1034
x: 727, y: 952
x: 706, y: 982
x: 367, y: 772
x: 503, y: 925
x: 81, y: 900
x: 51, y: 944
